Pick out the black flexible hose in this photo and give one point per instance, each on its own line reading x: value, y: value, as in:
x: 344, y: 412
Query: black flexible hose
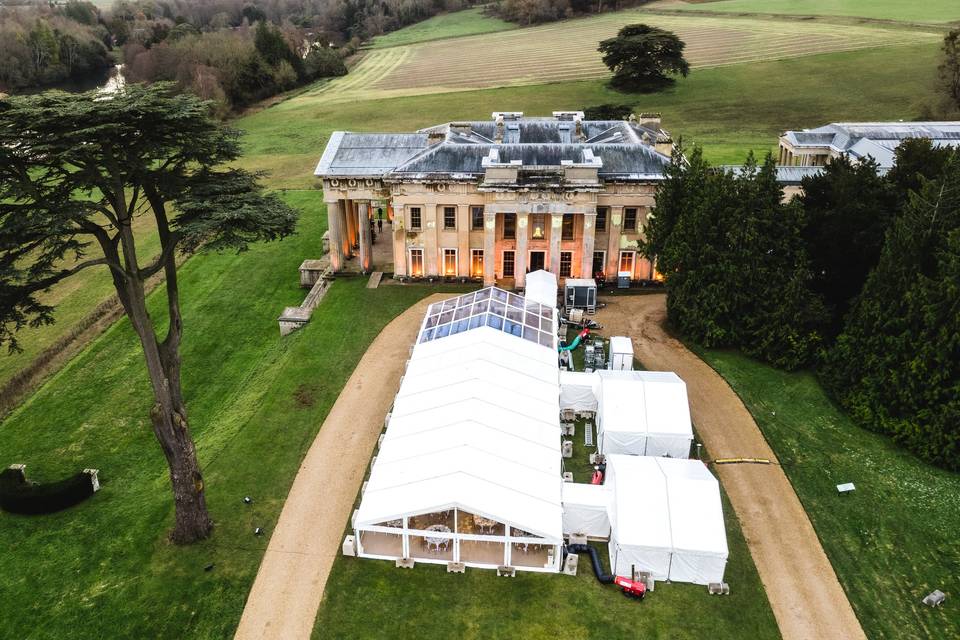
x: 602, y: 578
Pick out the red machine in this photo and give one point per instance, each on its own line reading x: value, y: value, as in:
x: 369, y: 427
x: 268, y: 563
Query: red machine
x: 631, y: 588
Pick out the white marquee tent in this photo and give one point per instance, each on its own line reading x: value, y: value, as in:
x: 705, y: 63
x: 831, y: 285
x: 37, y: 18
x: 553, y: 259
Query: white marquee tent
x: 666, y: 518
x: 585, y: 509
x: 579, y: 390
x: 469, y: 468
x: 643, y: 413
x: 541, y: 286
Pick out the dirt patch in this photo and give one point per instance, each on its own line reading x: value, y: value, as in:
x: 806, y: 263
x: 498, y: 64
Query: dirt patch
x: 806, y: 597
x: 289, y: 586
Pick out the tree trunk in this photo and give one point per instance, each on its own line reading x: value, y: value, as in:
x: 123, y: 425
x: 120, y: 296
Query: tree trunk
x: 169, y: 418
x: 169, y: 415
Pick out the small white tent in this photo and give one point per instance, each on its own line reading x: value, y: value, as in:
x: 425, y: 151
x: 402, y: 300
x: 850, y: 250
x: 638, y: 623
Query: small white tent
x: 579, y: 390
x: 585, y: 510
x: 643, y: 413
x: 541, y: 286
x: 666, y: 518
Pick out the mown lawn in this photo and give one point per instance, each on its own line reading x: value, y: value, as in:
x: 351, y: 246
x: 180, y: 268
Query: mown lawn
x: 925, y: 11
x: 895, y: 538
x: 105, y: 568
x: 446, y: 25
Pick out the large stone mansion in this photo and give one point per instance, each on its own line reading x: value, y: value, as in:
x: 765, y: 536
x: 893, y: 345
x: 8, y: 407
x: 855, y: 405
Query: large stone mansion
x: 497, y: 199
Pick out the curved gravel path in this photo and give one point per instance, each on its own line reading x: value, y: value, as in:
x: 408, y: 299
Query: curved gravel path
x: 286, y: 594
x: 803, y: 589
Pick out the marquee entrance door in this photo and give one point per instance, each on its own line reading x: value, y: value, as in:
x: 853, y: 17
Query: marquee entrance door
x: 537, y: 260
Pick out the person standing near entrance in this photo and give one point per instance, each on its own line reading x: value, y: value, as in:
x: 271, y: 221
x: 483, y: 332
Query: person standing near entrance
x: 380, y: 219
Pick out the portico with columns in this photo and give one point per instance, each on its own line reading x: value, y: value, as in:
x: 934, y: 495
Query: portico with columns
x: 492, y: 201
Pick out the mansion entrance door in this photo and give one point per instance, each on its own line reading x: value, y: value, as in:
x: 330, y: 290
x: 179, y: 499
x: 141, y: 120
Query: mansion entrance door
x: 537, y: 260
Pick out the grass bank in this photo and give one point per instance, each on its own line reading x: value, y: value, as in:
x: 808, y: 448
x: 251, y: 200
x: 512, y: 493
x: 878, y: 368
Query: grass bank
x: 895, y: 538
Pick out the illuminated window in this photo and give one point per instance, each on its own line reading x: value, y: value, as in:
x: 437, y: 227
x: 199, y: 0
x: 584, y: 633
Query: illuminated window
x: 416, y: 262
x: 509, y: 226
x: 566, y: 259
x: 415, y: 218
x: 508, y: 264
x: 567, y: 229
x: 476, y: 218
x: 630, y: 219
x: 537, y: 222
x: 476, y: 263
x: 449, y: 262
x: 601, y: 219
x: 449, y: 218
x: 626, y: 261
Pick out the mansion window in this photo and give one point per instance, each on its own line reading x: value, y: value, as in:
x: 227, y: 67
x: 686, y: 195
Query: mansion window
x: 537, y: 224
x: 508, y: 264
x: 476, y: 263
x: 567, y: 229
x: 630, y: 219
x: 601, y: 219
x: 415, y: 220
x: 626, y: 261
x: 449, y: 218
x: 509, y: 226
x: 476, y: 218
x: 449, y: 262
x: 566, y: 259
x: 416, y: 262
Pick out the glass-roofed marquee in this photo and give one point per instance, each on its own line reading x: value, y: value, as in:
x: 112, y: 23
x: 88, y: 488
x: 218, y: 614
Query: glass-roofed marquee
x: 495, y: 308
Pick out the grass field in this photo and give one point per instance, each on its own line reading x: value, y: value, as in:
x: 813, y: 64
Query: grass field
x: 567, y: 51
x: 925, y: 11
x: 895, y: 538
x: 447, y: 25
x: 104, y: 568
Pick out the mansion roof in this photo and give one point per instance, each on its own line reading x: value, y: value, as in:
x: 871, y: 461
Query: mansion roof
x: 876, y: 139
x: 613, y: 149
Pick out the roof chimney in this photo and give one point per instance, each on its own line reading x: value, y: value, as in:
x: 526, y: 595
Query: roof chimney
x: 498, y: 136
x: 650, y: 120
x: 435, y: 137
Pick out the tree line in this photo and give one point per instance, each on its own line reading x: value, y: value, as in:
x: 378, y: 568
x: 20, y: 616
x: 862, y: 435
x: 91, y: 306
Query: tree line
x: 49, y: 44
x: 530, y: 12
x: 858, y: 277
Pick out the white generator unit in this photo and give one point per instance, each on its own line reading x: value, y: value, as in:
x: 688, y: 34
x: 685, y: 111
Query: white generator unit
x: 580, y: 293
x: 621, y: 354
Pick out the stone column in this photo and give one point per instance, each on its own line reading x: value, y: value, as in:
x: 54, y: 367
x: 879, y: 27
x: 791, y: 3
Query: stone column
x: 556, y: 231
x: 589, y: 229
x: 366, y: 239
x: 520, y: 257
x: 463, y: 240
x: 430, y: 255
x: 489, y: 248
x: 335, y: 226
x: 399, y: 241
x: 614, y: 226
